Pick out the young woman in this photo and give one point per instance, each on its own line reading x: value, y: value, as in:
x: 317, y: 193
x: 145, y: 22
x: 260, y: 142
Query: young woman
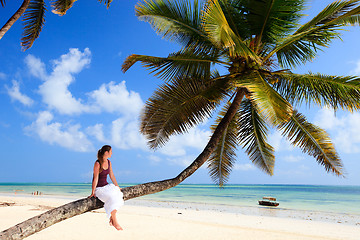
x: 109, y: 194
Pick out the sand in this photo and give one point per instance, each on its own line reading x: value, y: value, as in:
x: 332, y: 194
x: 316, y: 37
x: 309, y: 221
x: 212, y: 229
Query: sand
x: 144, y: 222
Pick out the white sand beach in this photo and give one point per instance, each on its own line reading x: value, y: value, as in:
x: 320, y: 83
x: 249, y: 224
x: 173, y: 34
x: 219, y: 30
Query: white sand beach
x: 144, y: 222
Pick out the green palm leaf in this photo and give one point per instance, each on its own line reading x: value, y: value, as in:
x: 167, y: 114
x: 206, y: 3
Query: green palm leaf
x: 313, y: 141
x: 222, y: 159
x: 269, y: 103
x: 252, y: 136
x: 271, y: 20
x: 254, y: 41
x: 34, y: 19
x: 222, y: 35
x: 324, y: 90
x: 175, y: 107
x: 331, y: 14
x: 178, y: 21
x: 187, y: 62
x: 61, y: 6
x: 317, y: 33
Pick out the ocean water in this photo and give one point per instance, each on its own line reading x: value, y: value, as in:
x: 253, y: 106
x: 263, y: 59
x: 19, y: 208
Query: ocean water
x: 333, y: 199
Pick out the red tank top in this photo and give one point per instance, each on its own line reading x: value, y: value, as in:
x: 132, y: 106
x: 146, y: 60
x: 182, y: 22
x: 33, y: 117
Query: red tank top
x: 102, y: 181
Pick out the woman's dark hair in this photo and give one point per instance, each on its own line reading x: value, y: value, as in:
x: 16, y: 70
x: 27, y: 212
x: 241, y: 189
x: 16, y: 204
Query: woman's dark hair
x: 100, y: 155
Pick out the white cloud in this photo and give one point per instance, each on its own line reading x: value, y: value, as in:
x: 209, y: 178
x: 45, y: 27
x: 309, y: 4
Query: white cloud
x: 97, y: 132
x: 36, y: 67
x: 122, y: 133
x: 68, y: 136
x: 344, y: 130
x: 326, y: 118
x: 16, y: 95
x: 196, y: 139
x: 243, y: 167
x: 110, y: 97
x: 54, y: 90
x: 116, y: 98
x: 278, y: 142
x: 347, y: 137
x: 183, y: 161
x: 125, y: 134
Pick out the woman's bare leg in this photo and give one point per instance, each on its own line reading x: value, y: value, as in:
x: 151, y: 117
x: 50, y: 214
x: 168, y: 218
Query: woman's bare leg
x: 113, y: 220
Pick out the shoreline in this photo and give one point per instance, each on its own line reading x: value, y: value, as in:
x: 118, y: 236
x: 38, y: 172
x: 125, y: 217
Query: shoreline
x: 260, y: 211
x: 172, y: 222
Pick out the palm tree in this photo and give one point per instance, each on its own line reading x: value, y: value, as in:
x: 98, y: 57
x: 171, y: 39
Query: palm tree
x: 34, y: 17
x: 257, y: 43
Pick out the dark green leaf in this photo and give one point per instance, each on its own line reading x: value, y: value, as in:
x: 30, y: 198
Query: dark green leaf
x: 34, y: 19
x: 222, y: 159
x: 177, y: 106
x: 323, y: 90
x: 253, y: 136
x: 314, y: 141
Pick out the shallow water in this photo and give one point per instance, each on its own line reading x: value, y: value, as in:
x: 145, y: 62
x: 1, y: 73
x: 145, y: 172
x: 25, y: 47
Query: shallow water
x: 335, y: 199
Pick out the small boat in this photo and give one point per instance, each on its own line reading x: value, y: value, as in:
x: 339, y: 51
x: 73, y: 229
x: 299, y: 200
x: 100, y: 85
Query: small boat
x: 268, y: 201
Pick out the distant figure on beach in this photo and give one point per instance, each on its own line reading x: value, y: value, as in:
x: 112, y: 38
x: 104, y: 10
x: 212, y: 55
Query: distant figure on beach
x: 109, y: 194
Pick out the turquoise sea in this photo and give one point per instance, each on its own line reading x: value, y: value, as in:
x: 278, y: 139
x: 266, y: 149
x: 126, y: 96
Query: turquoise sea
x: 335, y: 199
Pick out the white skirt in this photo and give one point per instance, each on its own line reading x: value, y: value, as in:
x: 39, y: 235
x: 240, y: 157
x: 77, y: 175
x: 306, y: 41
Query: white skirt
x: 111, y: 196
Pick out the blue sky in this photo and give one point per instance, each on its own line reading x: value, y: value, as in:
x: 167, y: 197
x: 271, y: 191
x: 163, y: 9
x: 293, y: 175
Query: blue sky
x: 66, y: 97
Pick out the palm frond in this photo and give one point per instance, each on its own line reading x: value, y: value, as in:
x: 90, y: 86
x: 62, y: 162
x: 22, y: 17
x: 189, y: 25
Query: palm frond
x: 106, y: 2
x: 178, y: 21
x: 272, y: 20
x: 222, y: 159
x: 296, y: 50
x: 61, y: 6
x: 187, y: 62
x: 330, y: 13
x: 303, y: 45
x: 253, y: 135
x: 324, y: 90
x: 34, y: 19
x: 3, y: 3
x: 269, y: 103
x: 177, y: 106
x: 312, y: 140
x: 222, y: 35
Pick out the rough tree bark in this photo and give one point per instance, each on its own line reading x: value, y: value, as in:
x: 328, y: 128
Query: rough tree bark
x: 14, y: 18
x: 72, y: 209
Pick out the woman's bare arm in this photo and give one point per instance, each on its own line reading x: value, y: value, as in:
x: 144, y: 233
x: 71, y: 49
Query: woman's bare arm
x: 95, y: 178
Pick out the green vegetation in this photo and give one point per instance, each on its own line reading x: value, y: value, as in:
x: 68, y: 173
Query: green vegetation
x: 258, y: 43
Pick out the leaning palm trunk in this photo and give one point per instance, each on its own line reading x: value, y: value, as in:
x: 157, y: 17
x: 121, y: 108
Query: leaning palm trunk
x: 78, y: 207
x: 14, y: 18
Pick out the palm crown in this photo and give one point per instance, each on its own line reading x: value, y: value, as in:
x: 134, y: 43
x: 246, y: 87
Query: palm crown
x: 257, y: 42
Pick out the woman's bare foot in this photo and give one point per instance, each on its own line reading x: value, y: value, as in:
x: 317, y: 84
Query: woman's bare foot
x: 116, y: 225
x: 114, y: 222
